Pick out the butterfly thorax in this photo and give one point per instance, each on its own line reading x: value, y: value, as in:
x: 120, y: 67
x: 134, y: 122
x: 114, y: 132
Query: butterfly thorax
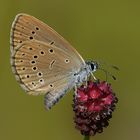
x: 85, y: 72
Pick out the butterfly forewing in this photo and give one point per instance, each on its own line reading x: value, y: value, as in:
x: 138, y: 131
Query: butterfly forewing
x: 39, y: 65
x: 42, y: 60
x: 28, y: 28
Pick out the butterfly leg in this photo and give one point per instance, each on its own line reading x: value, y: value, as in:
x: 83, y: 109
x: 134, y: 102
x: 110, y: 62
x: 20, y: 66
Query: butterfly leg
x: 93, y: 76
x: 75, y: 89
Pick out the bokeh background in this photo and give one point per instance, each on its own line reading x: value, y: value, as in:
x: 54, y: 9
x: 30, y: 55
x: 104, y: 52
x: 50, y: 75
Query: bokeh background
x: 100, y: 30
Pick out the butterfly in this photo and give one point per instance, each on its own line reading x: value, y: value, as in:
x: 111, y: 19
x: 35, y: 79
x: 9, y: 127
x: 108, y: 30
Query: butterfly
x: 43, y: 62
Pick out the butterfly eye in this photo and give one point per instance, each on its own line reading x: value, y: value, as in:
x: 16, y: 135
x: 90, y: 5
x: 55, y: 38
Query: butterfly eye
x: 92, y: 66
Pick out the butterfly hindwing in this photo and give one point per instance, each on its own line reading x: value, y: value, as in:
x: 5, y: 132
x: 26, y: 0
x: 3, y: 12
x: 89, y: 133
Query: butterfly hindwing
x: 37, y: 65
x: 52, y: 97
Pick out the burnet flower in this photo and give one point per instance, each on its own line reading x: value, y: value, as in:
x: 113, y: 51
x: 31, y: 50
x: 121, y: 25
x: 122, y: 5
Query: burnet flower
x: 93, y: 106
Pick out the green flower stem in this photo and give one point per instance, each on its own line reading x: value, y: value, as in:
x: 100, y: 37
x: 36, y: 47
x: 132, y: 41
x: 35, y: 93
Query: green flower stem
x: 86, y: 137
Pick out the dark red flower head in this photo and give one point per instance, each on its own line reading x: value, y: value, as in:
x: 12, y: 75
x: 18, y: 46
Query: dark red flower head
x: 93, y: 107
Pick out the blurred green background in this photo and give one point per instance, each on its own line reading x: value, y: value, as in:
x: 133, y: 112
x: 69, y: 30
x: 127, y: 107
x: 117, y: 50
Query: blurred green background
x: 100, y: 30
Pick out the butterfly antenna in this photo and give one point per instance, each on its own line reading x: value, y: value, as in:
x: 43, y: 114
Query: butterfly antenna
x: 108, y: 65
x: 114, y: 67
x: 107, y: 74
